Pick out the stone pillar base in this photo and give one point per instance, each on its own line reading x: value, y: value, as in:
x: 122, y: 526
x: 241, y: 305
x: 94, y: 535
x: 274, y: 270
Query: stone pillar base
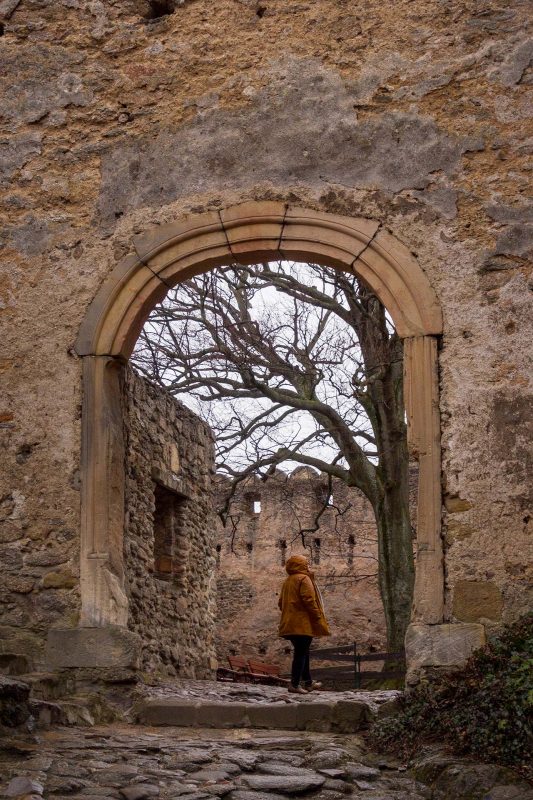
x: 88, y: 648
x: 440, y: 647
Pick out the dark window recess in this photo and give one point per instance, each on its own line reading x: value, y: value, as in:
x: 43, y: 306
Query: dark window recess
x: 261, y: 649
x: 169, y: 537
x: 160, y: 8
x: 219, y: 550
x: 351, y: 545
x: 249, y: 546
x: 283, y: 547
x: 323, y: 497
x: 319, y: 494
x: 316, y: 551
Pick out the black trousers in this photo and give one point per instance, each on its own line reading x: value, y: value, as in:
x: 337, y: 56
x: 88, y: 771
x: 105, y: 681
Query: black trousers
x: 300, y: 659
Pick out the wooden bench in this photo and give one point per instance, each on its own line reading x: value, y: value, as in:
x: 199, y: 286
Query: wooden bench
x: 268, y: 673
x: 238, y: 670
x: 251, y: 671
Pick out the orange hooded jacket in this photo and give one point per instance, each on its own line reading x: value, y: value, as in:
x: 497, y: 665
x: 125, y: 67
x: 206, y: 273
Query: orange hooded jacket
x: 302, y: 613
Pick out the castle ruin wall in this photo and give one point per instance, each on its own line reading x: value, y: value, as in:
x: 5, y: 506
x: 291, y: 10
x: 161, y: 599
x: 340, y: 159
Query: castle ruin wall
x: 266, y: 522
x: 115, y: 121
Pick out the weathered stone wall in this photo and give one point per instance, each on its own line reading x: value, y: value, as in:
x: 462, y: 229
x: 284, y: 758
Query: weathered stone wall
x: 236, y: 597
x: 412, y: 113
x: 169, y: 451
x: 257, y: 539
x: 172, y: 598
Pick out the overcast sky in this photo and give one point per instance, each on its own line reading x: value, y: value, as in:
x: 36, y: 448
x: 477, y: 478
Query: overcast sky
x: 273, y: 305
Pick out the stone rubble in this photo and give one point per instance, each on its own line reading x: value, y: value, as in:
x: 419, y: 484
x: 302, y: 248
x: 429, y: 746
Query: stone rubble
x: 137, y: 763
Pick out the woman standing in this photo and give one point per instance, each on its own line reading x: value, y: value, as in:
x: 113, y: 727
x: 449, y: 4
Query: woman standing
x: 302, y: 618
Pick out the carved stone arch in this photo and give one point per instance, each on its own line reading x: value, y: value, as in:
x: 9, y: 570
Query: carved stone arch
x: 244, y: 234
x: 251, y: 232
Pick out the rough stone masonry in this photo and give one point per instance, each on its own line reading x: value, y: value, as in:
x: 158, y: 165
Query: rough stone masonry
x: 169, y: 552
x: 116, y: 119
x: 169, y: 542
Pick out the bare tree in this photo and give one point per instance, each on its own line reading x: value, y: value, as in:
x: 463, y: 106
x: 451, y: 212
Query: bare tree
x: 315, y: 351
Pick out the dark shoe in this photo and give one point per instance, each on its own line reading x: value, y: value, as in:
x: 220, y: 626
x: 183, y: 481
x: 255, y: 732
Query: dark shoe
x: 297, y: 690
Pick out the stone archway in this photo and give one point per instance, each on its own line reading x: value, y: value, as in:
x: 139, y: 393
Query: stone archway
x: 246, y: 233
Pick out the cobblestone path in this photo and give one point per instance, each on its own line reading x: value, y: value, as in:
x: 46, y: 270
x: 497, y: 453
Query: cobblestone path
x: 135, y: 762
x: 209, y: 691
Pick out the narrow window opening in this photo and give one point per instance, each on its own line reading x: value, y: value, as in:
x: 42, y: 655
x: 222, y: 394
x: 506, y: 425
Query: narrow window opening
x: 282, y: 544
x: 249, y: 546
x: 351, y: 545
x: 169, y: 539
x: 218, y: 551
x: 256, y: 506
x: 316, y: 551
x: 2, y: 29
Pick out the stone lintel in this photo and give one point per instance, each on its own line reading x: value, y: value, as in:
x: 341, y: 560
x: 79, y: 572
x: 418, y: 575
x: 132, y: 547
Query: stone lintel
x: 111, y: 646
x: 168, y: 480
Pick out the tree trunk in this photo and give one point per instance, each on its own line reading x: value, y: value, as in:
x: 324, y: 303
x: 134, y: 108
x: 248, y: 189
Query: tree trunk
x: 395, y: 559
x: 383, y: 356
x: 395, y: 540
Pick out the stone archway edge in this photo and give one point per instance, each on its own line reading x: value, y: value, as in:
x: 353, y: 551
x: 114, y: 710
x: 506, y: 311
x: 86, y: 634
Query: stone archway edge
x: 246, y: 233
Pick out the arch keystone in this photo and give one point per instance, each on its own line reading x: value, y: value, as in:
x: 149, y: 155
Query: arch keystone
x: 254, y: 230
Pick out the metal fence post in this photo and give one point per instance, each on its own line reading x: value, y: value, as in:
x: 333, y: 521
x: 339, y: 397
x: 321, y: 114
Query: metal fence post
x: 357, y: 667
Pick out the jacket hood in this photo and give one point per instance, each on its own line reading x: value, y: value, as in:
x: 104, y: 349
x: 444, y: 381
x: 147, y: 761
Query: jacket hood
x: 297, y: 564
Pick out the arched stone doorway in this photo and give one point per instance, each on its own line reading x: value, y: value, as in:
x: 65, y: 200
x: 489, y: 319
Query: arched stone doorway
x: 246, y: 233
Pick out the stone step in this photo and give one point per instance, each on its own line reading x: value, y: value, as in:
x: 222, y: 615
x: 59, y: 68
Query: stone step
x: 343, y: 716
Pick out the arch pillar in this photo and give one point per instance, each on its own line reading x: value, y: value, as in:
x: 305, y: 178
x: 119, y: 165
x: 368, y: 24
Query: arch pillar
x: 104, y: 601
x: 421, y: 391
x: 243, y: 234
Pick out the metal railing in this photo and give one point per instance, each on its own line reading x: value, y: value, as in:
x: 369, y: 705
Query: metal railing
x: 350, y: 674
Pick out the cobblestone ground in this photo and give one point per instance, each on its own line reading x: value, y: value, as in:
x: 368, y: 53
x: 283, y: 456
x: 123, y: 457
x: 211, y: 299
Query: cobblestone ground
x: 135, y: 762
x: 215, y: 691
